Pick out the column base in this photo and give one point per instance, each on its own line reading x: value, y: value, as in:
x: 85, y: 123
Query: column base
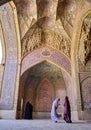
x: 7, y: 114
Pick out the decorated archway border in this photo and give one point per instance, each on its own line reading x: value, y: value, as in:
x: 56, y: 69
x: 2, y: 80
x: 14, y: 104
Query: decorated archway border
x: 52, y: 56
x: 46, y: 53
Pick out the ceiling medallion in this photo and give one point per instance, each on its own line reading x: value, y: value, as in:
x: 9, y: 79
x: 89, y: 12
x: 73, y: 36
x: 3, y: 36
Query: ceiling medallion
x: 46, y: 53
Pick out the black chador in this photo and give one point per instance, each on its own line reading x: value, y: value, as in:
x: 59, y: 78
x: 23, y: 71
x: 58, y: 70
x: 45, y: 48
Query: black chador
x: 28, y: 111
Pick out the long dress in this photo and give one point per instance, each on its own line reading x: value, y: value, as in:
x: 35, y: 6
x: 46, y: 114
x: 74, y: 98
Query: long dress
x: 54, y: 115
x: 67, y: 110
x: 28, y: 111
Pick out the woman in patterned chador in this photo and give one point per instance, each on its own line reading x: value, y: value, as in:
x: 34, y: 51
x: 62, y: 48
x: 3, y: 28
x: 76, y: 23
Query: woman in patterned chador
x: 67, y: 110
x: 54, y: 116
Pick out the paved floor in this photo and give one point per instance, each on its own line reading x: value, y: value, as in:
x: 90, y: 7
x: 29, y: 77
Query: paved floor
x: 43, y: 125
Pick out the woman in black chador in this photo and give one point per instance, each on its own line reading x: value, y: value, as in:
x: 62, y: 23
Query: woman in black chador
x: 67, y: 110
x: 28, y: 111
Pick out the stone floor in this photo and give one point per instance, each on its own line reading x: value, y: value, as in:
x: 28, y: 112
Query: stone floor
x: 43, y: 125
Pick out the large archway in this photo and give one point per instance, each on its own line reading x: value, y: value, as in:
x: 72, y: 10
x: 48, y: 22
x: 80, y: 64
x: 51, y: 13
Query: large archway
x: 42, y: 80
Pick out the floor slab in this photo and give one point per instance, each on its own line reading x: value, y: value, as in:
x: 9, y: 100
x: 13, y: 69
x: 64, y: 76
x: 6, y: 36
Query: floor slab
x: 43, y: 125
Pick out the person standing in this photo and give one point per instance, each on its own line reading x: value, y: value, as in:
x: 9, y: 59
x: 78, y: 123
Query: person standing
x: 28, y: 111
x: 67, y: 110
x: 54, y: 116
